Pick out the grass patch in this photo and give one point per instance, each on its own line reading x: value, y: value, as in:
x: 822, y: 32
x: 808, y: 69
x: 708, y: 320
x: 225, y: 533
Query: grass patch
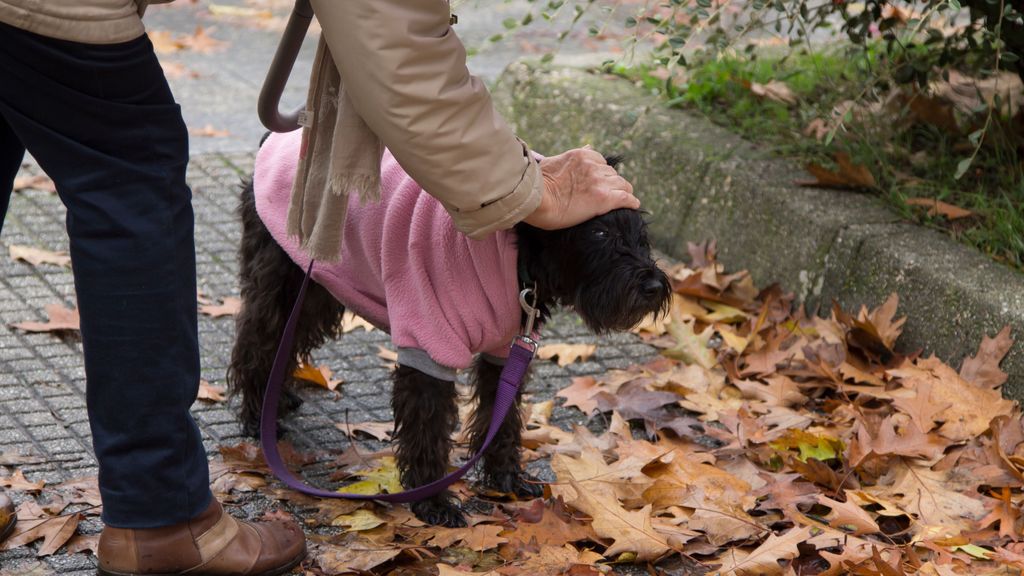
x: 860, y: 110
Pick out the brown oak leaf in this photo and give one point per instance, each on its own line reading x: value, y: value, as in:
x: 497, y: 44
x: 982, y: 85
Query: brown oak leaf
x: 60, y: 319
x: 982, y: 369
x: 230, y: 306
x: 37, y: 256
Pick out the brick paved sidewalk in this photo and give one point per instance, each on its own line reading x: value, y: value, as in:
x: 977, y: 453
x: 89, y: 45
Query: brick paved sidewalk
x: 42, y: 383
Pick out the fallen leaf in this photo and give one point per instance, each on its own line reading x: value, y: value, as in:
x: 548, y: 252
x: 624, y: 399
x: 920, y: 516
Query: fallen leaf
x: 848, y: 516
x: 774, y: 90
x: 934, y: 498
x: 60, y: 319
x: 477, y: 538
x: 239, y: 11
x: 690, y: 347
x: 358, y: 521
x: 818, y: 129
x: 847, y: 175
x: 764, y: 560
x: 970, y: 408
x: 630, y: 531
x: 938, y: 207
x: 55, y: 532
x: 208, y: 131
x: 982, y: 369
x: 384, y: 478
x: 319, y: 375
x: 39, y: 182
x: 581, y: 394
x: 886, y: 441
x: 164, y: 42
x: 359, y: 556
x: 380, y: 430
x: 548, y: 530
x: 350, y: 321
x: 230, y: 306
x: 210, y: 392
x: 720, y: 500
x: 201, y: 41
x: 566, y: 353
x: 17, y: 481
x: 922, y: 408
x: 37, y: 256
x: 83, y: 543
x: 387, y: 354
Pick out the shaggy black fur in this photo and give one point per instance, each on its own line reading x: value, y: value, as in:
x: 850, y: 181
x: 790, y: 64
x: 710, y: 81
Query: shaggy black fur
x: 426, y: 415
x: 602, y: 269
x: 502, y: 467
x: 269, y: 282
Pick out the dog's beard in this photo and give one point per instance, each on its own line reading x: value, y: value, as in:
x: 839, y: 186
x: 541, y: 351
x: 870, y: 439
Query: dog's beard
x: 618, y: 301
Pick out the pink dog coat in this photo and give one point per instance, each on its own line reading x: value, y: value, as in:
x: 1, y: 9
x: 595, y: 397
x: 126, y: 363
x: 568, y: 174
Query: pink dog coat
x: 405, y: 267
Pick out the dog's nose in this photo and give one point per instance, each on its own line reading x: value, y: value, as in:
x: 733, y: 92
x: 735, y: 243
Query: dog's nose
x: 651, y: 288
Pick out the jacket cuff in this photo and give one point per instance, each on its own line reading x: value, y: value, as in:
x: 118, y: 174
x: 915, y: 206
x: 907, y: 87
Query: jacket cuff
x: 509, y: 210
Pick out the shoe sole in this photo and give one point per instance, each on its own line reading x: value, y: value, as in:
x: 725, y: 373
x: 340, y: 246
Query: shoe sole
x: 275, y: 572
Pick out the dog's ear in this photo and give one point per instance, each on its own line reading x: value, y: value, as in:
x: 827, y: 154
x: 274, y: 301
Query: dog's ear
x: 614, y: 160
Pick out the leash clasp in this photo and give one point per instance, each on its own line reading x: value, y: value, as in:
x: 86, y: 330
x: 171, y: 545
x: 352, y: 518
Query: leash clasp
x: 531, y: 312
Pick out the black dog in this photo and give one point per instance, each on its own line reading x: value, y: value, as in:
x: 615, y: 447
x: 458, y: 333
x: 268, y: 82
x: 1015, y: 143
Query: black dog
x: 602, y: 269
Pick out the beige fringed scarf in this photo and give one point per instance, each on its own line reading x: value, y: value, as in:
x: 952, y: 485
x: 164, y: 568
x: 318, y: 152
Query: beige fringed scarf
x: 339, y: 154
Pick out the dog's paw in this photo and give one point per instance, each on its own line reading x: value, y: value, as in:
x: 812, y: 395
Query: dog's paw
x: 442, y: 510
x: 519, y: 484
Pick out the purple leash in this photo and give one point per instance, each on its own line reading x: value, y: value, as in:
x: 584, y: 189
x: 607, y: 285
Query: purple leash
x: 521, y: 353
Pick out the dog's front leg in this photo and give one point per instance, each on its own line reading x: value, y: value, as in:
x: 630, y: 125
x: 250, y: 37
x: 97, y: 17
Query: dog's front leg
x: 426, y: 415
x: 502, y: 468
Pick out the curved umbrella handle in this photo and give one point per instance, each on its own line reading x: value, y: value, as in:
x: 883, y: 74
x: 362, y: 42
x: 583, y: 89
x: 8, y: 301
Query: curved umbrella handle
x: 280, y: 68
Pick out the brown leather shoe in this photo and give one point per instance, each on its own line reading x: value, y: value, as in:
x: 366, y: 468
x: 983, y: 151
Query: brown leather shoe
x: 7, y: 516
x: 212, y: 544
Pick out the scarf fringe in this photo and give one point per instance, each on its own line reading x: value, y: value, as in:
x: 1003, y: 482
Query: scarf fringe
x: 367, y: 186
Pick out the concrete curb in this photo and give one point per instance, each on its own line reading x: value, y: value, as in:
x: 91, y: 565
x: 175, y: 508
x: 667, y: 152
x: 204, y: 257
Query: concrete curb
x: 701, y: 182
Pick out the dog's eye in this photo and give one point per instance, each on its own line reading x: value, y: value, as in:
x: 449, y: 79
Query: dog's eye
x: 600, y: 233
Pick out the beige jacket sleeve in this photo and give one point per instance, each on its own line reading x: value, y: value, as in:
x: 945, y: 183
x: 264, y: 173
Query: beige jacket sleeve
x: 405, y: 72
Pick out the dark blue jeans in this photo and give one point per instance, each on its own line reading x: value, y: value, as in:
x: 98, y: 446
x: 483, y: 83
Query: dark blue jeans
x: 101, y: 121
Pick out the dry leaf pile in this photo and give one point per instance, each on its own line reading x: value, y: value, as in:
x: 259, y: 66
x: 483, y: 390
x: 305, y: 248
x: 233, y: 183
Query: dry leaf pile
x: 762, y: 441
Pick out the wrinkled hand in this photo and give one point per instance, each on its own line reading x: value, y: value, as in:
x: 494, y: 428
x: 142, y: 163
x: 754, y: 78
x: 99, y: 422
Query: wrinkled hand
x: 579, y: 185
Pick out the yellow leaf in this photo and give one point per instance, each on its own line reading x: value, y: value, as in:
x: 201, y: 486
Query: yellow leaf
x: 381, y: 479
x: 358, y: 521
x: 691, y: 348
x: 723, y: 313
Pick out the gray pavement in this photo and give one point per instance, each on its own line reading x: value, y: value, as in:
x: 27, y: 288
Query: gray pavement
x: 42, y: 384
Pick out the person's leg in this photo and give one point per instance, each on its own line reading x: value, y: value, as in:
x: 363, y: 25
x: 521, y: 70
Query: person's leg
x: 102, y: 123
x: 12, y: 152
